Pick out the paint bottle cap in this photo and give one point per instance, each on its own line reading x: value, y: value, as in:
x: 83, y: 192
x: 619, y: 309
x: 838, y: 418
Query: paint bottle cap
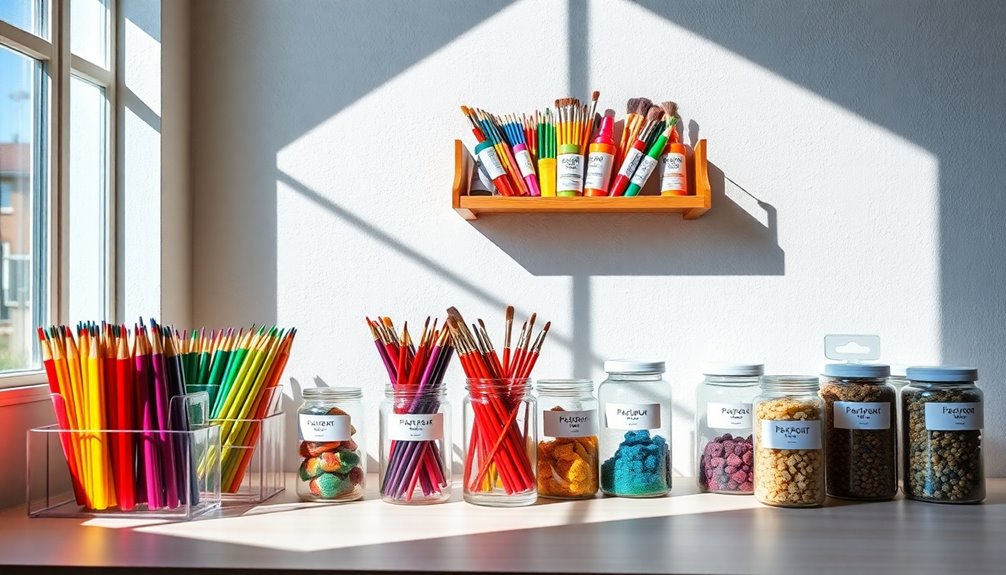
x: 606, y: 133
x: 569, y: 149
x: 482, y: 146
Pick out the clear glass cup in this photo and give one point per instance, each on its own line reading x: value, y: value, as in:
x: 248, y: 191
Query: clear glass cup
x: 789, y: 450
x: 567, y: 450
x: 724, y: 441
x: 331, y: 444
x: 415, y: 452
x: 500, y: 443
x: 635, y: 440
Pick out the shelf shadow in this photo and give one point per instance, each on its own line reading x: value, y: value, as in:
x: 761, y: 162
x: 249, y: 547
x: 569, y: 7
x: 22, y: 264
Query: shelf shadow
x: 738, y: 236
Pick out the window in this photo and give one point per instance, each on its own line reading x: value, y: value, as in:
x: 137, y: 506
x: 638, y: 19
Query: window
x: 57, y: 97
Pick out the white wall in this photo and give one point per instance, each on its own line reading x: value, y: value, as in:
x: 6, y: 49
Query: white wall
x: 857, y: 189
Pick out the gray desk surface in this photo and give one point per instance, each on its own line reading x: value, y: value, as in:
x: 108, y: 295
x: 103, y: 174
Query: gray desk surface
x: 683, y: 533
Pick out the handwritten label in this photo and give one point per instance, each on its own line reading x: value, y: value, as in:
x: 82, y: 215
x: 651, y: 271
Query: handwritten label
x: 643, y: 172
x: 729, y: 416
x: 570, y: 423
x: 862, y: 415
x: 416, y: 427
x: 954, y: 416
x: 569, y: 174
x: 598, y: 171
x: 790, y: 434
x: 632, y: 159
x: 325, y: 427
x: 632, y: 416
x: 524, y: 163
x: 673, y: 176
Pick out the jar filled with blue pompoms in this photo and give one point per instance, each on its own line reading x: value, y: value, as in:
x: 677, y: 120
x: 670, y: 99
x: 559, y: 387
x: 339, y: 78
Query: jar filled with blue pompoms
x: 635, y: 437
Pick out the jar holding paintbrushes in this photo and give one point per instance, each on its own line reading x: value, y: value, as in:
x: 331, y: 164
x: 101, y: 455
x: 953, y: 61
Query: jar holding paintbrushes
x: 499, y: 412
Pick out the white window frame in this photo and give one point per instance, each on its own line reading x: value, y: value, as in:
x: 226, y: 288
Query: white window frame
x: 60, y: 64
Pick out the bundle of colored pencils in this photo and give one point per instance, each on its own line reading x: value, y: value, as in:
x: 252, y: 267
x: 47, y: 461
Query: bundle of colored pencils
x: 416, y: 376
x: 497, y: 454
x: 119, y: 394
x: 571, y: 123
x: 241, y: 373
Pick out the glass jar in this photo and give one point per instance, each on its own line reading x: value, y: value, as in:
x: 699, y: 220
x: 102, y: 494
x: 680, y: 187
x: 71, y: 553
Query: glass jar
x: 789, y: 454
x: 860, y: 431
x: 333, y: 464
x: 501, y: 443
x: 567, y: 451
x: 415, y: 452
x: 724, y: 444
x: 635, y: 404
x: 942, y: 435
x: 899, y: 379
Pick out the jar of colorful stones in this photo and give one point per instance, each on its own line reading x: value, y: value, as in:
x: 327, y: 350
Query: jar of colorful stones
x: 331, y: 446
x: 567, y: 445
x: 724, y: 441
x: 635, y: 407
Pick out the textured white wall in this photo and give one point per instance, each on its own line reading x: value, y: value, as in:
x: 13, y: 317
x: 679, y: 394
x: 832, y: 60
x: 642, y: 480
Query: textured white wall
x: 856, y: 150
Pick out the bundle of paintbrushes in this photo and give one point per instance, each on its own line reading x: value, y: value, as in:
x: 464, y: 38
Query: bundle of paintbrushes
x: 498, y: 460
x: 414, y: 453
x: 126, y: 392
x: 558, y: 152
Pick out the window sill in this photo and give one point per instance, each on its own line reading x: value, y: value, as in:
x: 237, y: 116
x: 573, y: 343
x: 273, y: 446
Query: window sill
x: 21, y: 389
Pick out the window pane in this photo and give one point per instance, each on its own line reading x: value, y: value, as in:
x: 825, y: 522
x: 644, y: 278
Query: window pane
x: 28, y: 15
x: 21, y: 237
x: 88, y: 214
x: 89, y: 30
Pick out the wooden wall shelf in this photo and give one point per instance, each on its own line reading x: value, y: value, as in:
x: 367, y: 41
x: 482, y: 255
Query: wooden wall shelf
x: 690, y: 207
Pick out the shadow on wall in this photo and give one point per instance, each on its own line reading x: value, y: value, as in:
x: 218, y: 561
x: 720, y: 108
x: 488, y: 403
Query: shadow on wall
x: 932, y: 74
x: 738, y: 236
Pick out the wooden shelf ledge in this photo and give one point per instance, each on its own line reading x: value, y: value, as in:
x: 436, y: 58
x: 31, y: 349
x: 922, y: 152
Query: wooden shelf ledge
x: 472, y: 207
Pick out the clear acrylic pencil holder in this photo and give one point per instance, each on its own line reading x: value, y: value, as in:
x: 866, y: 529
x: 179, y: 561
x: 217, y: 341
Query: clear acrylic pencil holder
x: 251, y: 466
x: 169, y: 473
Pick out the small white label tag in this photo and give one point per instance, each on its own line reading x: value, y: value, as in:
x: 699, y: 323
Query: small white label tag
x: 643, y: 172
x: 954, y: 416
x: 790, y: 434
x: 492, y: 163
x: 524, y: 163
x: 325, y: 427
x: 862, y: 415
x: 570, y: 423
x: 569, y: 175
x: 632, y: 416
x: 416, y: 427
x: 729, y: 416
x: 673, y: 175
x: 632, y: 159
x: 598, y: 171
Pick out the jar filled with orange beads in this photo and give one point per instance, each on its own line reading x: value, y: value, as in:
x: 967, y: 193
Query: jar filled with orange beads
x: 567, y: 450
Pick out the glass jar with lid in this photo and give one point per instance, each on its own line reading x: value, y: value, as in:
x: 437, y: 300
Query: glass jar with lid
x: 942, y: 435
x: 567, y: 449
x: 415, y: 446
x: 789, y: 453
x: 860, y: 431
x: 331, y: 446
x: 724, y: 442
x: 635, y: 441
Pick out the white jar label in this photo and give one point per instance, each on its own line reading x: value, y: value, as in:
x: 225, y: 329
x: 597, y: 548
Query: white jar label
x: 415, y: 427
x: 729, y: 415
x: 325, y: 427
x: 524, y: 163
x: 790, y: 434
x: 598, y: 171
x: 632, y: 416
x: 631, y: 161
x: 569, y: 174
x: 492, y: 163
x: 954, y: 416
x: 570, y: 423
x: 862, y: 415
x: 643, y: 172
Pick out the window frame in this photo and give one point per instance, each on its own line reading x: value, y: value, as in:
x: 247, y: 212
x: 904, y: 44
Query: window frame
x: 58, y: 64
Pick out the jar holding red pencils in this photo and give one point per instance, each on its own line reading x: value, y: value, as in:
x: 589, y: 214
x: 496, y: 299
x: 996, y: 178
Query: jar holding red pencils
x: 415, y: 446
x: 501, y: 443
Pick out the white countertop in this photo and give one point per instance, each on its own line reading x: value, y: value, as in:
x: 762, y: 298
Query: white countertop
x: 683, y: 533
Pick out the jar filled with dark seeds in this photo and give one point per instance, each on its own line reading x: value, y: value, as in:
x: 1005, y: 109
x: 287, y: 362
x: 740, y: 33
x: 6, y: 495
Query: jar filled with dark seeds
x: 860, y: 431
x: 942, y: 435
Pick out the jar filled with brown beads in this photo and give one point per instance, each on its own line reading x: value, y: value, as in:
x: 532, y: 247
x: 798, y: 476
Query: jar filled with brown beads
x: 860, y: 431
x: 942, y: 435
x: 789, y: 453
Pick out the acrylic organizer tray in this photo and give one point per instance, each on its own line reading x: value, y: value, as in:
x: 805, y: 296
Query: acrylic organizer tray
x: 163, y: 474
x: 251, y: 464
